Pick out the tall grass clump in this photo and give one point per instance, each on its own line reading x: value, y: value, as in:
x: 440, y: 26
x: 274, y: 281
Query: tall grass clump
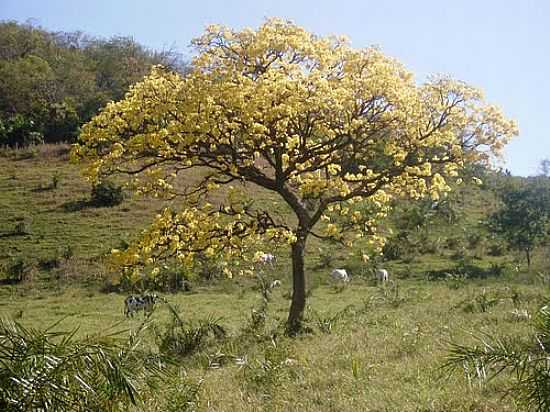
x: 525, y: 359
x: 48, y: 370
x: 180, y: 338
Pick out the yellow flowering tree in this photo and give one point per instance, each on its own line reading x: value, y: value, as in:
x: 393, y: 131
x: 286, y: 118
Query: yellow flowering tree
x: 336, y: 132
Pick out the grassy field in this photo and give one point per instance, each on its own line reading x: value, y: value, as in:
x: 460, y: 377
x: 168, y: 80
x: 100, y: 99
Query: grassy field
x: 369, y: 348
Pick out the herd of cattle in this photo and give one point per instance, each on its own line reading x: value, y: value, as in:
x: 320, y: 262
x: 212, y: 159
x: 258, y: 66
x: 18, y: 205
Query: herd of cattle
x: 146, y: 302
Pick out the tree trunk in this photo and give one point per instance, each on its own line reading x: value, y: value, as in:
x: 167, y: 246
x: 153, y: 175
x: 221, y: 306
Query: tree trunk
x: 298, y: 304
x: 528, y: 255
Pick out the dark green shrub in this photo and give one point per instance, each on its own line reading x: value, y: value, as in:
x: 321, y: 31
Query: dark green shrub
x: 66, y: 252
x: 16, y: 270
x: 393, y: 249
x: 56, y: 178
x: 429, y: 246
x: 271, y: 370
x: 403, y: 246
x: 62, y: 123
x: 325, y: 322
x: 54, y: 261
x: 482, y: 302
x: 326, y: 256
x: 19, y: 131
x: 22, y: 227
x: 453, y: 242
x: 107, y: 194
x: 181, y: 338
x: 496, y: 249
x: 209, y: 268
x: 49, y: 263
x: 170, y: 279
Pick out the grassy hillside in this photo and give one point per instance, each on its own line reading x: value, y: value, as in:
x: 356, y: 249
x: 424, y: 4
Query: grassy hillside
x: 46, y: 195
x: 370, y: 347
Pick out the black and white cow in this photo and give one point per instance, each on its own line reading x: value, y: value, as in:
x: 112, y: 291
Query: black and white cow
x: 268, y: 259
x: 134, y: 304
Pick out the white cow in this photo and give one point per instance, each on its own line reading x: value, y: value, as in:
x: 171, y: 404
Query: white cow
x: 339, y: 275
x: 267, y: 259
x: 382, y: 275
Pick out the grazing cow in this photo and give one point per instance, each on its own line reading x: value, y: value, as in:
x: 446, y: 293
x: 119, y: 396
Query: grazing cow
x: 339, y: 275
x: 267, y: 259
x: 276, y: 283
x: 382, y: 275
x: 134, y: 304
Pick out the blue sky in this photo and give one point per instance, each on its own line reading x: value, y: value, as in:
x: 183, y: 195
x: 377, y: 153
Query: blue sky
x: 501, y: 46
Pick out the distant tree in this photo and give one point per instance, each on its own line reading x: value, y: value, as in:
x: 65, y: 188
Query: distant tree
x: 335, y: 132
x: 21, y: 40
x: 27, y: 85
x: 523, y: 220
x: 118, y: 63
x: 545, y: 167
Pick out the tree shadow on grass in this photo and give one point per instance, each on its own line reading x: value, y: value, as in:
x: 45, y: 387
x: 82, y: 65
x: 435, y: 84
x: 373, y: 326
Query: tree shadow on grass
x: 467, y: 271
x: 14, y: 233
x: 10, y: 281
x: 78, y: 205
x: 41, y: 189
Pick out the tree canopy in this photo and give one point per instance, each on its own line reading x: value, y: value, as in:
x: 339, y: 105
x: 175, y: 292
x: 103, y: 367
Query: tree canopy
x: 336, y: 132
x: 524, y: 217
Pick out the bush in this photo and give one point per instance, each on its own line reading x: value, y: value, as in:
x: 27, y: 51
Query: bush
x: 181, y: 338
x: 49, y: 263
x: 454, y: 243
x: 270, y: 371
x: 183, y: 395
x: 56, y: 178
x: 326, y: 256
x: 16, y: 270
x: 107, y: 194
x: 430, y: 246
x: 22, y: 228
x: 170, y: 279
x: 62, y: 123
x: 19, y: 131
x: 393, y: 249
x: 496, y: 249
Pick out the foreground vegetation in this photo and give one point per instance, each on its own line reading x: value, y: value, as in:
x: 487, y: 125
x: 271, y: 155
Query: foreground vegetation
x: 368, y: 348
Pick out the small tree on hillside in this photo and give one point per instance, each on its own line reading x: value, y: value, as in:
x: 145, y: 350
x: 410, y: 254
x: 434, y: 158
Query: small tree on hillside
x: 335, y: 132
x: 545, y: 167
x: 524, y: 217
